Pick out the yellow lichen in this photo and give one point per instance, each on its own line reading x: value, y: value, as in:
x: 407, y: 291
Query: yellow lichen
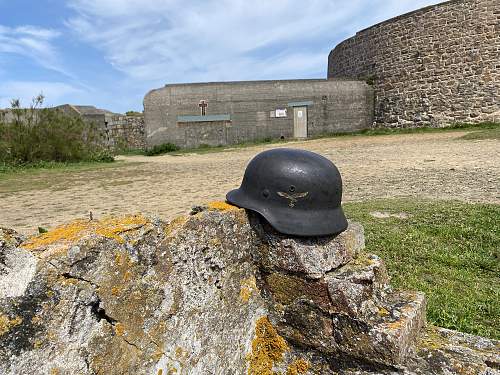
x: 54, y: 371
x: 158, y: 354
x: 109, y: 228
x: 119, y: 329
x: 160, y: 371
x: 221, y: 206
x: 382, y: 311
x: 37, y: 344
x: 431, y: 339
x: 174, y: 224
x: 248, y: 287
x: 6, y: 324
x: 267, y: 348
x: 298, y: 367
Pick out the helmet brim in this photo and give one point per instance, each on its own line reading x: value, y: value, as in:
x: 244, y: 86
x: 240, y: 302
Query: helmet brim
x: 293, y: 221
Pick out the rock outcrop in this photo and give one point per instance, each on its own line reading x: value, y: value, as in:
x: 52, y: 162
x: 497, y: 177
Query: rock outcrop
x: 215, y: 292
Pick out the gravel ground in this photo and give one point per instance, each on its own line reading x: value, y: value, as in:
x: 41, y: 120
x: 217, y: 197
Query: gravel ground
x: 427, y: 165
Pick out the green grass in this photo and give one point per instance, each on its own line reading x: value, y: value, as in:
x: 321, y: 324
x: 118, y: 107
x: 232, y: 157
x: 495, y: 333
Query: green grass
x: 7, y: 170
x: 391, y: 131
x: 448, y: 250
x: 493, y: 133
x: 488, y: 127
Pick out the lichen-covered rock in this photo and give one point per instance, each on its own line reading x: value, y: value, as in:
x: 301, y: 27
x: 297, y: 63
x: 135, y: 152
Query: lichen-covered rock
x: 357, y: 288
x: 312, y: 257
x: 198, y: 295
x: 390, y: 338
x: 133, y: 295
x: 442, y: 351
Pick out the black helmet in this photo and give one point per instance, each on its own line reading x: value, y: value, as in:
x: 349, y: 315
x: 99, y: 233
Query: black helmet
x: 298, y: 192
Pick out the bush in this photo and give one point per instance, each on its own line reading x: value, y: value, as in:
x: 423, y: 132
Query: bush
x: 36, y: 134
x: 161, y: 149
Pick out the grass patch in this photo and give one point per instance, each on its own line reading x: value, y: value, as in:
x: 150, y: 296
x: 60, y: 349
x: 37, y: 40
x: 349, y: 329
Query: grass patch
x: 449, y: 250
x: 9, y: 170
x: 390, y: 131
x: 493, y: 133
x: 164, y: 148
x: 492, y: 127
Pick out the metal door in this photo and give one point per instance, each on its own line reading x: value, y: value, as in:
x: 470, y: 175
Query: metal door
x: 300, y: 122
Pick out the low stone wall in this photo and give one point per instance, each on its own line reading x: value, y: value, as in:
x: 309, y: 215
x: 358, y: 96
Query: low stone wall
x: 215, y: 292
x: 125, y: 132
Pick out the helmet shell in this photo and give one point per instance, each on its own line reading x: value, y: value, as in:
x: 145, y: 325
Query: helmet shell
x: 298, y: 192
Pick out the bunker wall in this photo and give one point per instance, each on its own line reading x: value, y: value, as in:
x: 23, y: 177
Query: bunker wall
x: 247, y: 107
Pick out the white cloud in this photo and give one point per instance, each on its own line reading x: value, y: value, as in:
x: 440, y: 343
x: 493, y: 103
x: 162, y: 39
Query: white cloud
x: 174, y: 40
x: 34, y: 43
x: 54, y: 92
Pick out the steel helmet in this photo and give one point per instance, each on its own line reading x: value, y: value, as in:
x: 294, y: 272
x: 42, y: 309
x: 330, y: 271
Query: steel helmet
x: 298, y: 192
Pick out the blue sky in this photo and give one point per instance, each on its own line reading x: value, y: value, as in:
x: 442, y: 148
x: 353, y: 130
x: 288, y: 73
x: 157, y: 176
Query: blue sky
x: 109, y: 53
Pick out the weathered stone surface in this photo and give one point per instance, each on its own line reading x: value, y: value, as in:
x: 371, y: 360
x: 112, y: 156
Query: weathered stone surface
x: 356, y: 288
x: 442, y: 351
x: 136, y: 295
x: 312, y: 257
x: 388, y: 339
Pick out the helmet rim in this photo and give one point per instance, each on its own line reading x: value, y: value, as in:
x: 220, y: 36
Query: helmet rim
x: 294, y: 221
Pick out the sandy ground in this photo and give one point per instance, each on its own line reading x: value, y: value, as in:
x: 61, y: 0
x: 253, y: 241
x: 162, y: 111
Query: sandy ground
x: 432, y: 165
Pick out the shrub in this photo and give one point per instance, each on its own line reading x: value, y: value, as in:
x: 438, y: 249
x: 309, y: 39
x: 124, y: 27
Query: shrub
x: 37, y: 134
x: 134, y: 113
x: 161, y: 149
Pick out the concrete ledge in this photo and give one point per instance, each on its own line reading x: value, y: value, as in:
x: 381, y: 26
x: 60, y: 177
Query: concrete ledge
x: 206, y: 118
x: 300, y: 104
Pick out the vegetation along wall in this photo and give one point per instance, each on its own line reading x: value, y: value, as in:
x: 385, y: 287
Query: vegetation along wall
x: 433, y: 66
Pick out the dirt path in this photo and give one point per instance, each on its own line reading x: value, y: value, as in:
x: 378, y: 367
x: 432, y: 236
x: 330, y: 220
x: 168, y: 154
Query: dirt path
x: 432, y: 165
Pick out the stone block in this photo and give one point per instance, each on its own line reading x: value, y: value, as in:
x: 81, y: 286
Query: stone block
x: 388, y: 339
x: 355, y: 288
x: 286, y: 289
x: 305, y: 325
x: 312, y: 257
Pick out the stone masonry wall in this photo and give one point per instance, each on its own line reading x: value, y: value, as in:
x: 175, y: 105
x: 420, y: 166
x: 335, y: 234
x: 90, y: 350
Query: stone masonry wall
x: 125, y: 132
x: 434, y: 66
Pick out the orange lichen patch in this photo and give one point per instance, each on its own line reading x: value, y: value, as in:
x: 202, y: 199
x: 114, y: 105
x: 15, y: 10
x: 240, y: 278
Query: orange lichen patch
x: 221, y: 206
x: 109, y: 228
x: 248, y: 287
x: 174, y: 224
x: 267, y: 348
x: 119, y: 329
x: 67, y: 232
x: 298, y: 367
x: 396, y: 324
x: 113, y: 227
x: 6, y: 324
